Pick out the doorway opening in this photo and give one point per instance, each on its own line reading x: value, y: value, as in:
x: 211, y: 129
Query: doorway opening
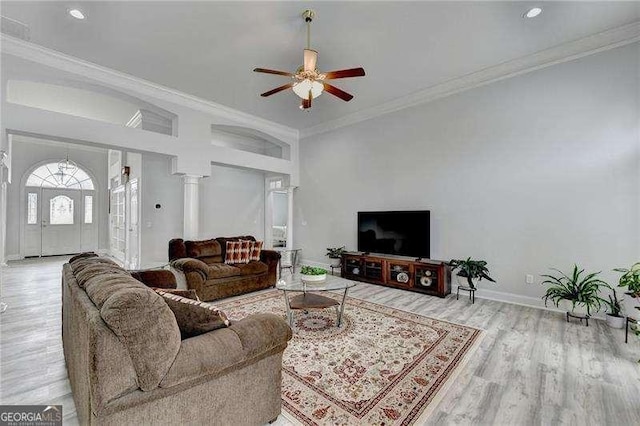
x: 59, y: 200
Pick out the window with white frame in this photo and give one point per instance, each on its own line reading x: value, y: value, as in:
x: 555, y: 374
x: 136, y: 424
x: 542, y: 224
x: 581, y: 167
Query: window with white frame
x: 32, y: 208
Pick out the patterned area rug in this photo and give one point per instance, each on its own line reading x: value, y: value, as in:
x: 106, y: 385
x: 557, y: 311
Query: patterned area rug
x: 382, y: 366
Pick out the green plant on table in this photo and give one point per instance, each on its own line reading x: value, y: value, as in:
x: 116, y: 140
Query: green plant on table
x: 578, y: 288
x: 471, y: 270
x: 630, y: 279
x: 335, y: 252
x: 312, y: 270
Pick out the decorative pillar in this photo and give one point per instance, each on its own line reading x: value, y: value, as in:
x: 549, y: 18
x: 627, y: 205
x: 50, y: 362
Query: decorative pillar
x: 191, y: 207
x: 290, y: 217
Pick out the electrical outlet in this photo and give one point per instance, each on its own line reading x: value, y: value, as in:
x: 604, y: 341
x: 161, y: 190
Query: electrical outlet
x: 528, y: 279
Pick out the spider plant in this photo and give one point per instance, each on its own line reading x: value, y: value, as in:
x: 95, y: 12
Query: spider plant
x: 578, y: 288
x: 614, y: 305
x: 471, y: 270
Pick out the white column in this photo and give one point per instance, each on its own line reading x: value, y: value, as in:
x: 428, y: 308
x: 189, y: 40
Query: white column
x: 191, y: 207
x: 290, y: 217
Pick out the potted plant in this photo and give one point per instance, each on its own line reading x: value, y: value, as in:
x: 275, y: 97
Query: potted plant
x: 312, y: 274
x: 578, y: 289
x: 473, y: 271
x: 630, y: 279
x: 335, y: 254
x: 614, y: 319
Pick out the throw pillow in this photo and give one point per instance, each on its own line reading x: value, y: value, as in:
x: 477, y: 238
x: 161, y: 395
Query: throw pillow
x: 246, y: 246
x: 194, y: 317
x: 255, y: 251
x: 232, y: 254
x: 189, y: 294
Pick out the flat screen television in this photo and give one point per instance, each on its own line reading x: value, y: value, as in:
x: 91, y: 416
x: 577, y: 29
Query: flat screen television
x: 403, y: 233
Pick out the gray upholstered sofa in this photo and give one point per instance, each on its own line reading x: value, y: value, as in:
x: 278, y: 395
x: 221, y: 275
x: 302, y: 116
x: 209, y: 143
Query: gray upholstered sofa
x: 128, y: 365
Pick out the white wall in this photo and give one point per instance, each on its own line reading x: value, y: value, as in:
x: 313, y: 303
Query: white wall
x: 159, y: 186
x: 26, y: 153
x: 532, y: 172
x: 232, y: 203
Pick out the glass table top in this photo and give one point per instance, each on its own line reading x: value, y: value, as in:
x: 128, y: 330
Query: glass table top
x: 331, y: 283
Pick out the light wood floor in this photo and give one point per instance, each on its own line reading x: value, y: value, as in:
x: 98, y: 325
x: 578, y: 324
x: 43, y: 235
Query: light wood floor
x: 532, y: 367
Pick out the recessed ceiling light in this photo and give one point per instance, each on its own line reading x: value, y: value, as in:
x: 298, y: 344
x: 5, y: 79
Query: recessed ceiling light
x: 76, y: 13
x: 533, y: 12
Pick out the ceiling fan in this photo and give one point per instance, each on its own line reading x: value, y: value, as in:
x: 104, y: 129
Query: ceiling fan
x: 307, y: 82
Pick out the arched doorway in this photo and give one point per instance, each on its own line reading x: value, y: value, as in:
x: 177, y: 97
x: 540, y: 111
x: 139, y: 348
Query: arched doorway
x: 59, y: 210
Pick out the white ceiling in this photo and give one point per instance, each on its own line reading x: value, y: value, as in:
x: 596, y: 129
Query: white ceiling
x: 209, y: 49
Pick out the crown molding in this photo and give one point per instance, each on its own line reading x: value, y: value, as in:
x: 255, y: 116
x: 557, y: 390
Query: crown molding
x: 566, y: 52
x: 128, y: 83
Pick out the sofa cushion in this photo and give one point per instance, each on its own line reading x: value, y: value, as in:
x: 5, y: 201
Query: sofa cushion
x: 82, y: 256
x: 147, y: 328
x: 194, y: 317
x: 209, y: 251
x: 233, y: 254
x: 101, y: 287
x: 222, y: 270
x: 253, y: 268
x: 256, y: 248
x: 85, y: 269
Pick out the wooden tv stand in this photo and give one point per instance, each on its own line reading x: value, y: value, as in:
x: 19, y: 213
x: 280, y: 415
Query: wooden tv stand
x: 408, y: 273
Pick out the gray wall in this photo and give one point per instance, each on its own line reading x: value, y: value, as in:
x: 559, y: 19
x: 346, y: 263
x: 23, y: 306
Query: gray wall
x: 232, y: 203
x: 25, y: 154
x: 159, y: 186
x: 532, y: 172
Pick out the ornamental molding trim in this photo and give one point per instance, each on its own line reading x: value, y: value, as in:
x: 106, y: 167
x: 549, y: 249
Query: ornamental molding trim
x: 599, y: 42
x: 128, y: 83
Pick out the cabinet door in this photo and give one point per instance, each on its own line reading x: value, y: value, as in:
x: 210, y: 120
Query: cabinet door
x: 352, y: 266
x: 426, y: 278
x: 399, y: 274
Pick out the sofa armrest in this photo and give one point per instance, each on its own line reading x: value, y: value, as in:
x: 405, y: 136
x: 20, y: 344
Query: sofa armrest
x: 269, y: 256
x: 217, y: 351
x: 187, y: 264
x: 262, y: 333
x: 155, y: 278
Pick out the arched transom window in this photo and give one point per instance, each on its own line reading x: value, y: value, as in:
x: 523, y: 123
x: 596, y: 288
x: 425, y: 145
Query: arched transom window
x: 52, y: 176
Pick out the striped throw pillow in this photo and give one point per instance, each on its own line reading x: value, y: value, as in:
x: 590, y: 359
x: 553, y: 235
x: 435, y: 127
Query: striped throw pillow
x: 255, y: 251
x: 232, y: 254
x: 194, y: 317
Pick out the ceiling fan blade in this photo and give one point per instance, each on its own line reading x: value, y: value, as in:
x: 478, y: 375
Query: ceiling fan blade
x: 310, y: 59
x: 277, y: 89
x: 337, y: 92
x: 267, y: 71
x: 353, y: 72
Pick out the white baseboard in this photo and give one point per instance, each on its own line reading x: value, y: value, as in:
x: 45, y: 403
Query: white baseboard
x: 498, y: 296
x: 11, y: 257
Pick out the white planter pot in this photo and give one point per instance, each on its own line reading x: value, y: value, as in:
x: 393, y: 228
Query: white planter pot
x: 336, y: 262
x: 615, y: 322
x: 462, y: 281
x: 313, y: 278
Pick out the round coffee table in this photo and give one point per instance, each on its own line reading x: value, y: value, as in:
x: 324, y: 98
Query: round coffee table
x: 299, y: 294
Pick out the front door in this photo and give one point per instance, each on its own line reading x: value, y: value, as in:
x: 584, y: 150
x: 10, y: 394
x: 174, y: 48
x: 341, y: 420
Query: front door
x: 61, y: 221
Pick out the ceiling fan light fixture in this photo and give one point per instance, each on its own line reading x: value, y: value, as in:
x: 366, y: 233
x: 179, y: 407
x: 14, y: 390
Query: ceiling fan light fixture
x: 303, y: 87
x: 533, y: 12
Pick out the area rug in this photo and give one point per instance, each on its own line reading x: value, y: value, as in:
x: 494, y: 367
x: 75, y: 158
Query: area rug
x: 382, y: 366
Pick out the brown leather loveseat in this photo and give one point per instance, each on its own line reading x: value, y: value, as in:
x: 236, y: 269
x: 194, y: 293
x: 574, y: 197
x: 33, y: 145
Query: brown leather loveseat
x: 202, y: 263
